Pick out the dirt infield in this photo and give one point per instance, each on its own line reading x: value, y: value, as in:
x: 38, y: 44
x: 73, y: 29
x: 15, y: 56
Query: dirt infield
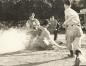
x: 40, y: 58
x: 37, y: 58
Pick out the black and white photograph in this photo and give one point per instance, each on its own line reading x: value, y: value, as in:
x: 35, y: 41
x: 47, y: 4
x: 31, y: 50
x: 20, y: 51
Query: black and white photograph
x: 42, y: 32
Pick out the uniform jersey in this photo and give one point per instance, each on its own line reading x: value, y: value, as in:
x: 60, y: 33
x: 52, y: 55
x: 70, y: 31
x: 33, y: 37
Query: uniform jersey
x: 33, y: 24
x: 73, y: 28
x: 70, y: 13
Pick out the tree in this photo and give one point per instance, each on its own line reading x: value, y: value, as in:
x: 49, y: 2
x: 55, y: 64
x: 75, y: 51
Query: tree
x: 20, y: 9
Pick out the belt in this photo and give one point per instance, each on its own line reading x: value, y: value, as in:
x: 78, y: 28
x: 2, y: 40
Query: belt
x: 73, y: 25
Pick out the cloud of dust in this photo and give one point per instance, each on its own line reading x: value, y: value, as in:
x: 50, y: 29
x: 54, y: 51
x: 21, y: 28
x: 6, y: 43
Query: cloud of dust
x: 13, y: 39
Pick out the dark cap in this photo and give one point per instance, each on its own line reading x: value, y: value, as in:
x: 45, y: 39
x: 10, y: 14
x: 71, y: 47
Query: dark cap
x: 67, y: 2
